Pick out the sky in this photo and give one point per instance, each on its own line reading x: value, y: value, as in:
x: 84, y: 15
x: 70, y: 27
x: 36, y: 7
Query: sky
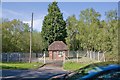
x: 23, y: 10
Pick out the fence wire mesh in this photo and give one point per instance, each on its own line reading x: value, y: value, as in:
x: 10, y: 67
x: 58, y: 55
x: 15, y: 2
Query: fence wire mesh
x: 38, y: 57
x: 19, y: 57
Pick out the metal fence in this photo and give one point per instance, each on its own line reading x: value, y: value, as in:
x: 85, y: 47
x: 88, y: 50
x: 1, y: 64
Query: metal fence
x: 92, y: 55
x: 20, y: 57
x: 39, y: 57
x: 74, y: 54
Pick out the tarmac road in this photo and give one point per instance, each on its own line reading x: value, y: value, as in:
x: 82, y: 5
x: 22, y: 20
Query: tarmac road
x: 43, y: 73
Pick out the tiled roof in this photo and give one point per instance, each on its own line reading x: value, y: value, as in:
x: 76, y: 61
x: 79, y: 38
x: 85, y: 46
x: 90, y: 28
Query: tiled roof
x: 58, y: 45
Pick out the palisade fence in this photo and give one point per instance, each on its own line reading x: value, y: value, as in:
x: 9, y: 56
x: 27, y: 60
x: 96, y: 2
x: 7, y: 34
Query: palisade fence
x: 78, y: 56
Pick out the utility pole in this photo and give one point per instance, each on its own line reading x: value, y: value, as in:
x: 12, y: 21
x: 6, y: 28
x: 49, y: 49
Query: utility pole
x: 31, y: 29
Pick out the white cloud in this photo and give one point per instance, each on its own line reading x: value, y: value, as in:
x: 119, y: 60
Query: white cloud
x: 37, y: 24
x: 65, y: 13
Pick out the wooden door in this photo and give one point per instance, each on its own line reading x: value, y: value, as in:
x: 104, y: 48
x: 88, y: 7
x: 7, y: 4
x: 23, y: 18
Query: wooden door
x: 54, y: 55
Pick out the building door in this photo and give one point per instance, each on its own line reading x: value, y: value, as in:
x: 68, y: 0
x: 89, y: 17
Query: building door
x: 54, y: 55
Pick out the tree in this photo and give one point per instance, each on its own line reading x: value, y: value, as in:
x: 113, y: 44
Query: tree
x: 111, y: 15
x: 72, y: 31
x: 89, y: 16
x: 95, y: 35
x: 14, y: 36
x: 6, y: 36
x: 88, y: 26
x: 38, y: 44
x: 54, y: 27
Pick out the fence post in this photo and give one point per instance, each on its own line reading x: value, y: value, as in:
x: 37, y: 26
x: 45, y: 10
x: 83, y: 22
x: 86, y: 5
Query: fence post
x: 8, y: 57
x: 94, y: 55
x: 104, y: 56
x: 90, y: 55
x: 44, y: 58
x: 77, y: 56
x: 19, y: 57
x: 98, y: 56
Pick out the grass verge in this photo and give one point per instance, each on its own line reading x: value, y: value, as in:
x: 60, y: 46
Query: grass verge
x: 72, y: 66
x: 20, y: 65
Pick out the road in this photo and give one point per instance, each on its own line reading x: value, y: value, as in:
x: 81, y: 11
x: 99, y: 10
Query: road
x: 43, y: 73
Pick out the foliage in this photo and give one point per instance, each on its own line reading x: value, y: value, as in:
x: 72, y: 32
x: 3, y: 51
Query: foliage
x: 72, y: 41
x: 16, y: 37
x: 54, y: 27
x: 111, y: 15
x: 37, y: 43
x: 14, y: 34
x: 88, y: 32
x: 93, y: 34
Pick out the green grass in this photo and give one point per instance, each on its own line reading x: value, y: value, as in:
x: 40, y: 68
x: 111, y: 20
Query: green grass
x: 71, y: 66
x: 20, y: 65
x: 82, y: 71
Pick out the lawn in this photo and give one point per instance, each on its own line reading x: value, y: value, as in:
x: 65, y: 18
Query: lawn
x: 81, y: 69
x: 20, y: 65
x: 72, y: 66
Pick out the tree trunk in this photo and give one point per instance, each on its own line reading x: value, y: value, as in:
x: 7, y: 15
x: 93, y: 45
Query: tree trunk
x: 8, y: 55
x: 87, y: 53
x: 90, y: 54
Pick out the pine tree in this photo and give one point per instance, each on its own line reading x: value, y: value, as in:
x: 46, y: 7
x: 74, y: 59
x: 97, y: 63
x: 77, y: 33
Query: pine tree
x: 54, y: 27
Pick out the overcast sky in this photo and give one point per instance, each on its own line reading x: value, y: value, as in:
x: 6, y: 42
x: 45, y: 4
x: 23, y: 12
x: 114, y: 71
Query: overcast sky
x: 23, y: 10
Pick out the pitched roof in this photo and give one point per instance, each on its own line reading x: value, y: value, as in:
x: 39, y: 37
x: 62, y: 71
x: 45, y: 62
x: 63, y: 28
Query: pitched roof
x: 58, y: 45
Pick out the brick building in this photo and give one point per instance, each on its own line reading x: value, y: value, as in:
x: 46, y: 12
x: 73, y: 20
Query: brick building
x: 57, y: 50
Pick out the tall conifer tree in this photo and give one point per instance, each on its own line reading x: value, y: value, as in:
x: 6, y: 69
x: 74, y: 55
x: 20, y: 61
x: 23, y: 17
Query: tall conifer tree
x: 54, y: 27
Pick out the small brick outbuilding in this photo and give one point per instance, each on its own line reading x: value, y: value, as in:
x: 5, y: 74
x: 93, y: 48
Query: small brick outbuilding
x: 58, y: 50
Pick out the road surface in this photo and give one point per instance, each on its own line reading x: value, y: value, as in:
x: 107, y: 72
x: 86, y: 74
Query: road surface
x: 43, y: 73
